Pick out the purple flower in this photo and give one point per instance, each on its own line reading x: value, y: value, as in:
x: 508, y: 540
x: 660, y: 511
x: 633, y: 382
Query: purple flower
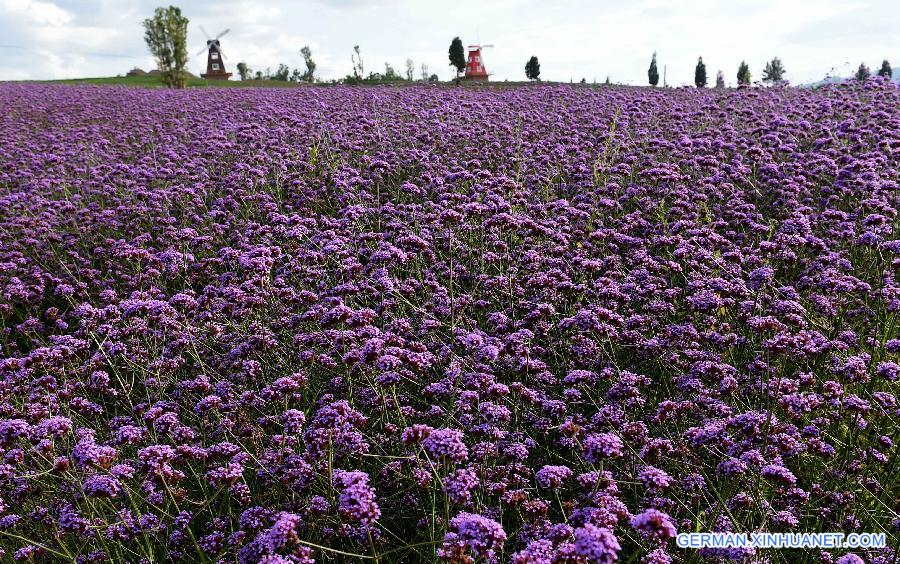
x: 446, y: 443
x: 654, y: 524
x: 282, y: 533
x: 596, y: 544
x: 778, y: 474
x: 357, y: 500
x: 552, y: 476
x: 472, y: 535
x: 101, y: 486
x: 600, y: 446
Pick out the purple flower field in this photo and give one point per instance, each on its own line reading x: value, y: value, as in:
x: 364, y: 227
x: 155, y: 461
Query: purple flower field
x: 532, y: 325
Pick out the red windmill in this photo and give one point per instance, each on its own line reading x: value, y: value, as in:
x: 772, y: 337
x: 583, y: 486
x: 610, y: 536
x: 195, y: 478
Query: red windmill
x: 475, y: 69
x: 215, y: 64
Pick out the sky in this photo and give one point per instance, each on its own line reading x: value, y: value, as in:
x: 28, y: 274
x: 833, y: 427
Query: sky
x: 49, y: 39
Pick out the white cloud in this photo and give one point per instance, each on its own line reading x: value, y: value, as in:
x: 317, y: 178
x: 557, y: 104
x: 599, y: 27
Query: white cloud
x: 573, y: 39
x: 36, y: 13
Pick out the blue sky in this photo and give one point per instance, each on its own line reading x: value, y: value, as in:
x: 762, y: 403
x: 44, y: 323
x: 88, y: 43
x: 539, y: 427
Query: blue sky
x: 573, y: 40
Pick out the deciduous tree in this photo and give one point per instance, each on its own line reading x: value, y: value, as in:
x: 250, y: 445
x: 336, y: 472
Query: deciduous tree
x: 166, y: 37
x: 310, y: 74
x: 457, y: 56
x: 774, y: 72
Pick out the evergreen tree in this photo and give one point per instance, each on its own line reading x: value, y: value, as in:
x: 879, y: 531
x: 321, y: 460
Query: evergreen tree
x: 457, y: 56
x: 166, y: 36
x: 653, y: 72
x: 533, y: 68
x: 743, y: 74
x: 774, y: 72
x: 863, y: 72
x: 700, y: 74
x: 720, y: 79
x: 885, y: 69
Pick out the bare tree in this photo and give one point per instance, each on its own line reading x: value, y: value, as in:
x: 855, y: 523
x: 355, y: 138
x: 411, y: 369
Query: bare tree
x: 356, y: 57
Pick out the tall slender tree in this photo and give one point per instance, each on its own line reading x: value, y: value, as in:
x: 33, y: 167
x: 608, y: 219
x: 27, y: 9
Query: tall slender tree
x: 720, y: 79
x: 356, y: 57
x: 310, y: 74
x: 743, y: 74
x: 653, y: 72
x: 457, y: 56
x: 166, y: 36
x: 700, y: 74
x: 774, y: 72
x: 533, y: 68
x: 885, y: 69
x: 863, y: 72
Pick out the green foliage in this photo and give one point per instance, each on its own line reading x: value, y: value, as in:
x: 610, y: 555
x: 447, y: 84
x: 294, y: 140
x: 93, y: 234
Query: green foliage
x: 774, y: 72
x: 533, y: 69
x: 885, y: 69
x: 863, y: 72
x: 457, y: 56
x: 244, y: 71
x: 310, y: 74
x: 743, y: 74
x: 282, y: 74
x: 700, y: 74
x: 166, y: 37
x: 653, y: 72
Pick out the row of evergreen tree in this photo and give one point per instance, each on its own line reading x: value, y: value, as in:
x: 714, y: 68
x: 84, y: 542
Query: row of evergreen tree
x: 773, y: 73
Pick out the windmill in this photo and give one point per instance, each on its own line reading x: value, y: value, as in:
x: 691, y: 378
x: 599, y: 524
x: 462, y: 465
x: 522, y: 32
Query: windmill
x: 215, y: 64
x: 475, y: 68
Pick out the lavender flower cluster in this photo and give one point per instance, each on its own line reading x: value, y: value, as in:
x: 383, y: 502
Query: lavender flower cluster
x: 530, y: 325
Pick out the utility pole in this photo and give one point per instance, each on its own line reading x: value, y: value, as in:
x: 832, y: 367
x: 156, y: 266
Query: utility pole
x: 664, y: 76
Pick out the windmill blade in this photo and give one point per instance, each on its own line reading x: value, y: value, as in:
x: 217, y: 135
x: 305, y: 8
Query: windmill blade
x: 486, y: 46
x: 223, y: 33
x: 221, y: 52
x: 201, y: 51
x: 204, y: 32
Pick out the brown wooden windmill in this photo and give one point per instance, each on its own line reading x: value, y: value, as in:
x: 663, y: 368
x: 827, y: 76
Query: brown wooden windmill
x: 215, y: 58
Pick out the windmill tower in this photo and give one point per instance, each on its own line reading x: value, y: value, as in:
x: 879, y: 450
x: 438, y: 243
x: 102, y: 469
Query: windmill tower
x: 475, y: 69
x: 215, y: 63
